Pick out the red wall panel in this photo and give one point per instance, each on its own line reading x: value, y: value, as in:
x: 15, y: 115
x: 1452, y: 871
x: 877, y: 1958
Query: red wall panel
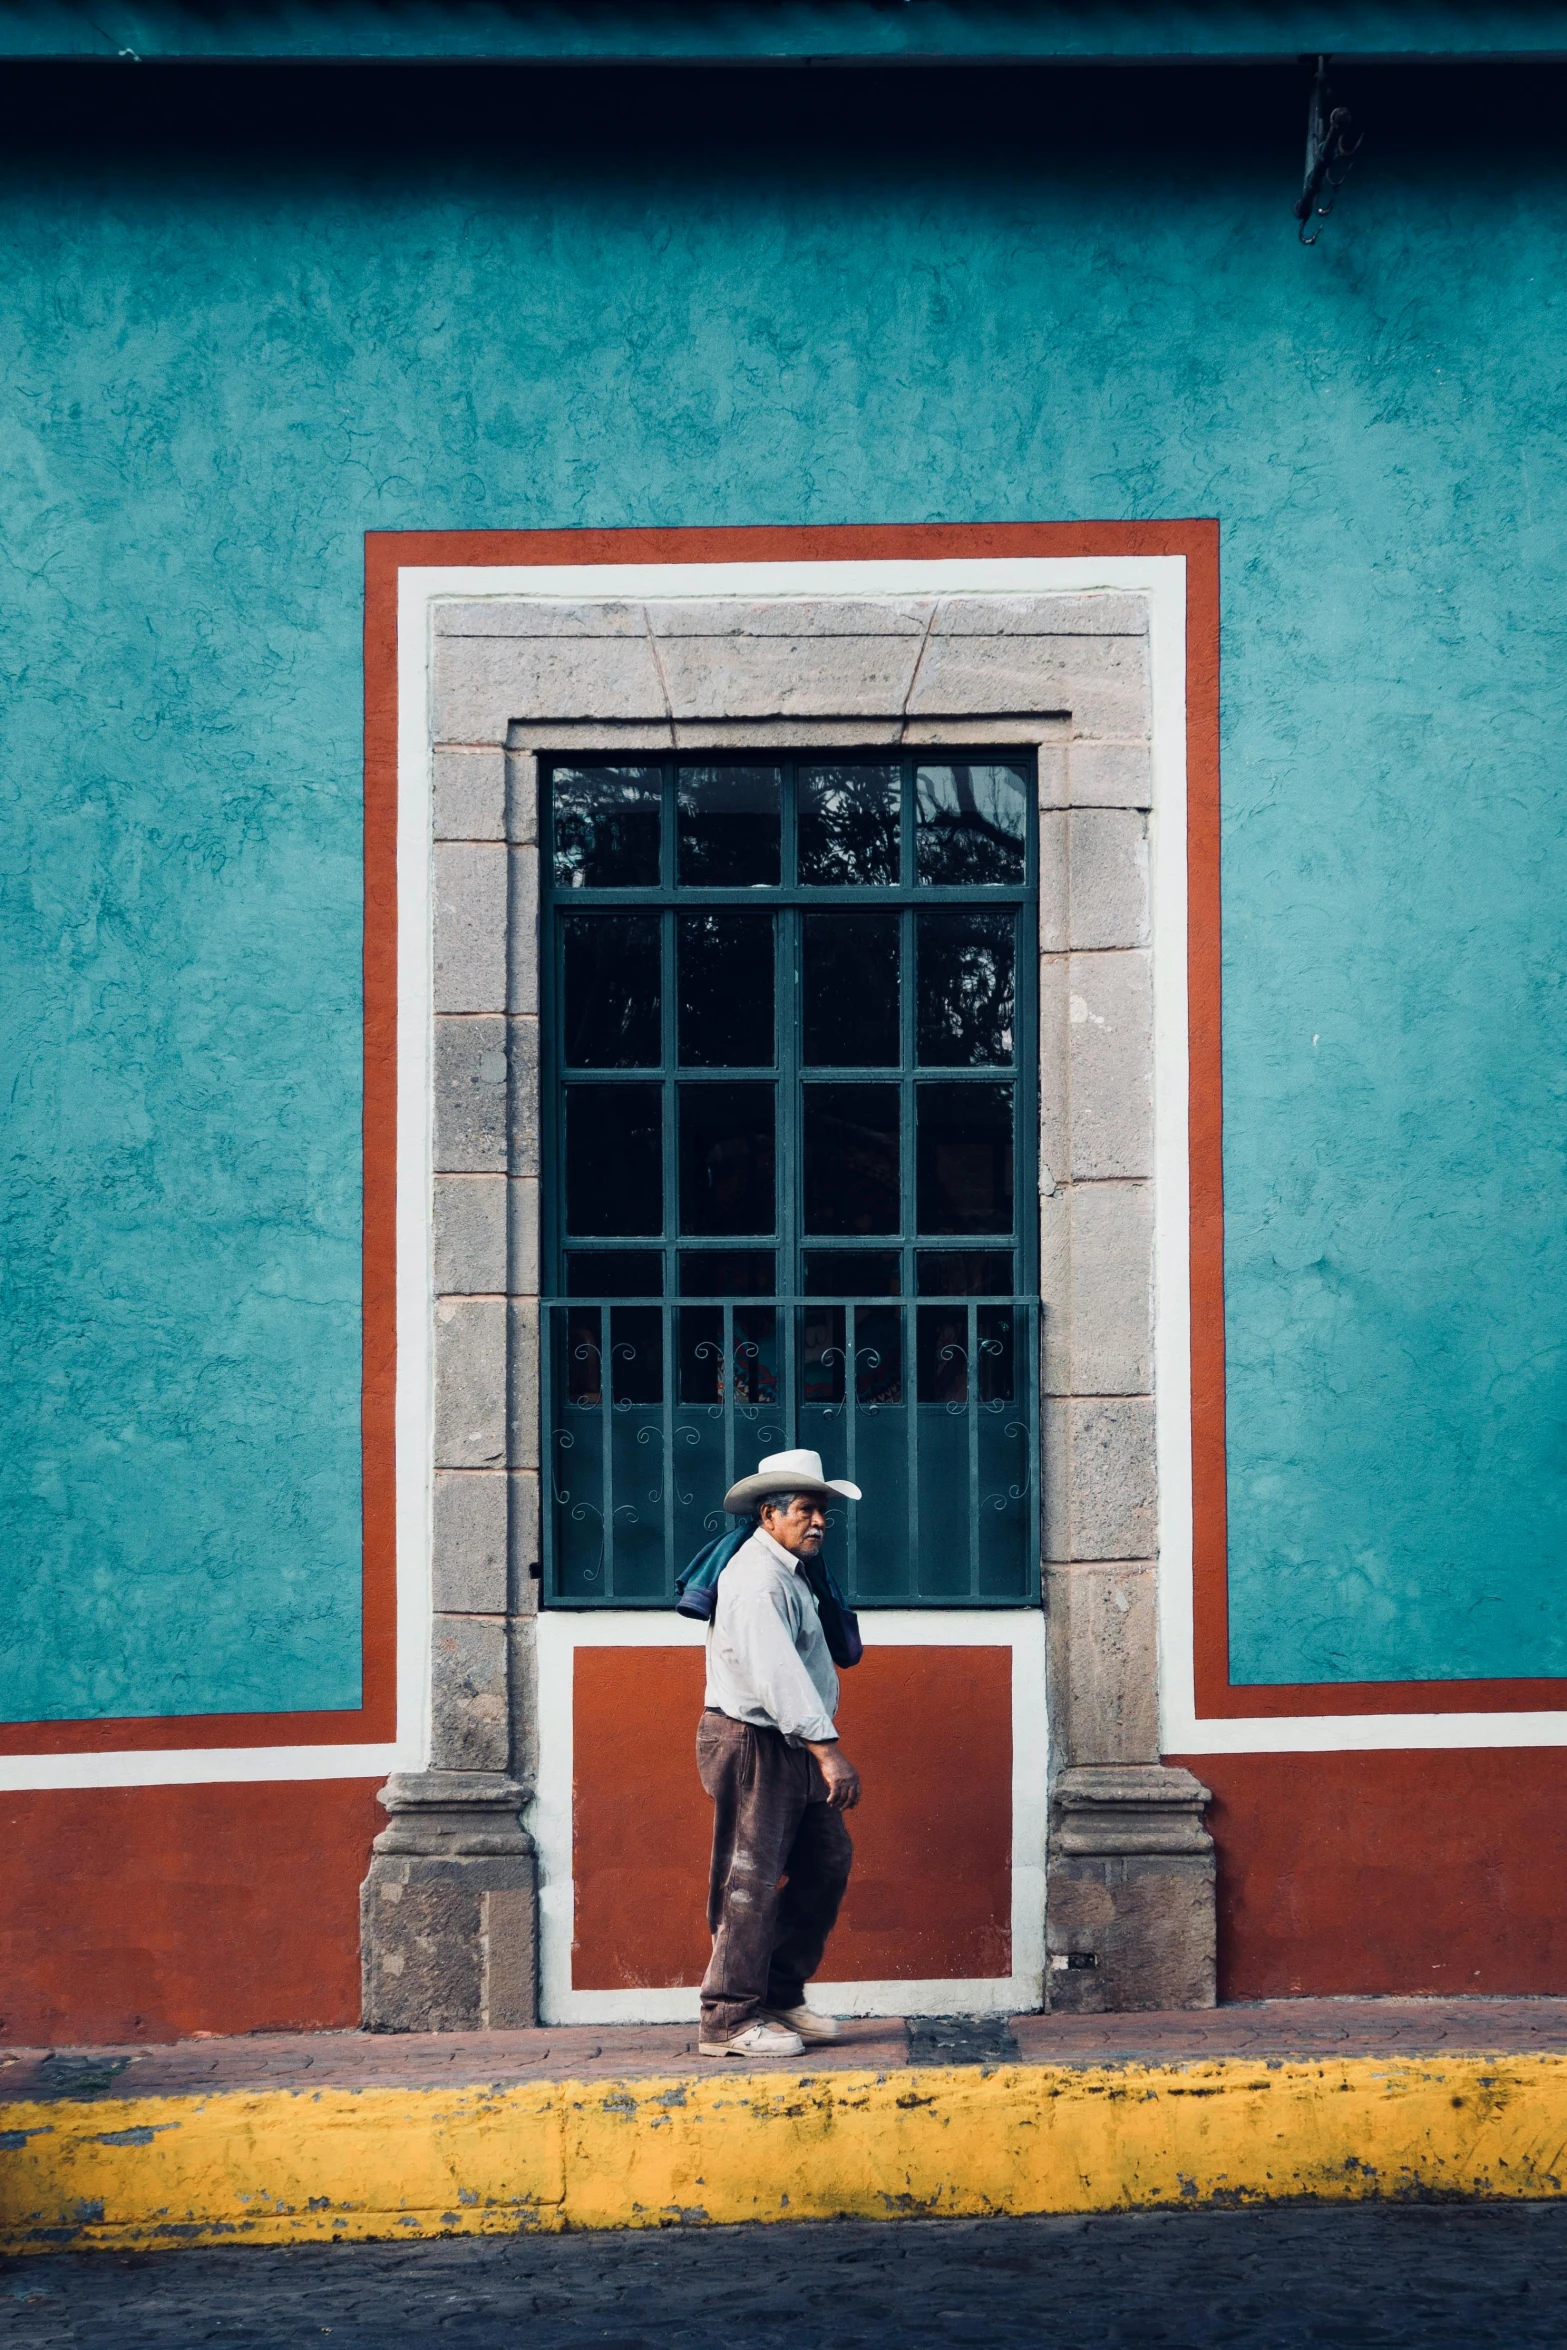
x: 1435, y: 1872
x: 931, y: 1894
x: 149, y: 1913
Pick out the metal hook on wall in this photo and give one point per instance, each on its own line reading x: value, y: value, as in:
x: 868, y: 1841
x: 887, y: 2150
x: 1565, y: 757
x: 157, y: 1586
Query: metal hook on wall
x: 1332, y: 143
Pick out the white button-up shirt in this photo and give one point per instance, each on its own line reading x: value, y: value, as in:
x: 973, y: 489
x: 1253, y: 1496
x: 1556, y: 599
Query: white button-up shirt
x: 767, y: 1656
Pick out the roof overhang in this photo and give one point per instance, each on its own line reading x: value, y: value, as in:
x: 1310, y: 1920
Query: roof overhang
x: 774, y: 32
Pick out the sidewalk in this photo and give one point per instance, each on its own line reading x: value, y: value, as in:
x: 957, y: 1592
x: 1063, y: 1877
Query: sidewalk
x: 322, y: 2136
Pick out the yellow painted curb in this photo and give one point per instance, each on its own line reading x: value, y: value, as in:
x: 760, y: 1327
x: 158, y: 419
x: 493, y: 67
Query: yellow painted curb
x: 307, y: 2165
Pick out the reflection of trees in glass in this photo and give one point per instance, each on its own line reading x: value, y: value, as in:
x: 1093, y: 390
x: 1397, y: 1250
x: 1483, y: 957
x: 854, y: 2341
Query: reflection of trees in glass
x: 607, y: 827
x: 971, y: 824
x: 848, y: 826
x: 728, y: 824
x: 610, y: 1014
x: 967, y: 989
x: 726, y: 990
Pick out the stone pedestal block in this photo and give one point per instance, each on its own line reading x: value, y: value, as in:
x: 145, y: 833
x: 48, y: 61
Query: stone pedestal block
x: 448, y: 1914
x: 1130, y: 1905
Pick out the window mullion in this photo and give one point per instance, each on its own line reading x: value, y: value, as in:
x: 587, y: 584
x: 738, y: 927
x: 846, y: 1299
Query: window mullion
x: 908, y: 1046
x: 789, y: 1112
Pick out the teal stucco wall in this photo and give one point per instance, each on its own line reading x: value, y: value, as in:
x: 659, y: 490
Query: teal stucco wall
x: 251, y: 317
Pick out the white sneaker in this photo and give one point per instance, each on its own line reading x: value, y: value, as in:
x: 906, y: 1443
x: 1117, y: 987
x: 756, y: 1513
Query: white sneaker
x: 760, y: 2039
x: 804, y: 2021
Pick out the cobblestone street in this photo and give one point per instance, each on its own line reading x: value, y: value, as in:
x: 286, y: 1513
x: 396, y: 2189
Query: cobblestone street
x: 1397, y: 2277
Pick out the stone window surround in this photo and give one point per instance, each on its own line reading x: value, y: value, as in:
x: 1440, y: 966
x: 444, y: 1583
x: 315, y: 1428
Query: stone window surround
x: 448, y: 1906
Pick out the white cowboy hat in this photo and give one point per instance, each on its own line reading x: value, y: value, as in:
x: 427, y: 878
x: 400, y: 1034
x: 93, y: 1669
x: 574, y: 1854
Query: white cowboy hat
x: 786, y: 1472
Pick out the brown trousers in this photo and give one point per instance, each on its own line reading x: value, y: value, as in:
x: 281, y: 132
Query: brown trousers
x: 771, y: 1820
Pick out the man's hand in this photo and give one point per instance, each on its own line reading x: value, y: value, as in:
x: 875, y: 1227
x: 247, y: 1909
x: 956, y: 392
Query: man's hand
x: 843, y: 1780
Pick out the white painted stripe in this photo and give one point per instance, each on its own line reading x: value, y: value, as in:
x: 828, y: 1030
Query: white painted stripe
x: 415, y: 1416
x: 195, y: 1766
x: 1022, y: 1630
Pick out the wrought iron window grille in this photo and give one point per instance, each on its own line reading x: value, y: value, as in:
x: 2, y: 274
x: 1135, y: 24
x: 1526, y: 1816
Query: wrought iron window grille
x: 789, y: 1142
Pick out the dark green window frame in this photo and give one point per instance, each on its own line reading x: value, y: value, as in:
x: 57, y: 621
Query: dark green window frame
x: 635, y: 1469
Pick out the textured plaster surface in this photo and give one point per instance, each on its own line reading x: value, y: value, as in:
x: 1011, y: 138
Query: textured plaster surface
x: 226, y: 356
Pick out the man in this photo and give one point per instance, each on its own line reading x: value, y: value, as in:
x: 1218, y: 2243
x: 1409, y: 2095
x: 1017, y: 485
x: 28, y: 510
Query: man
x: 769, y: 1757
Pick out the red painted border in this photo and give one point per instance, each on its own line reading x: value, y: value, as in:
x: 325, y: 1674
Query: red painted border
x: 385, y: 553
x: 1432, y: 1872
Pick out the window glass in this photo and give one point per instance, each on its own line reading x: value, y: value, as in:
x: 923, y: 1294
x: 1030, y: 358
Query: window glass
x: 965, y: 988
x: 849, y: 991
x: 848, y: 826
x: 821, y: 1355
x: 614, y: 1160
x: 729, y: 826
x: 607, y: 827
x: 789, y: 1129
x: 878, y: 1354
x: 726, y: 1159
x: 851, y: 1272
x: 725, y: 965
x: 973, y: 1272
x: 964, y: 1164
x: 745, y: 1371
x: 851, y: 1158
x: 636, y: 1354
x: 727, y: 1272
x: 584, y: 1355
x: 614, y: 1272
x: 996, y: 1326
x: 971, y: 823
x: 942, y: 1366
x: 611, y: 984
x: 963, y: 1364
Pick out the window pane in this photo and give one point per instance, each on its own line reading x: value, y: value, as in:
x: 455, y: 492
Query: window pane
x: 607, y: 827
x: 851, y: 1158
x: 748, y: 1371
x: 943, y: 1354
x: 971, y: 1272
x: 848, y: 826
x: 958, y: 1363
x: 971, y: 823
x: 584, y: 1356
x: 636, y: 1354
x: 726, y: 1159
x: 878, y: 1355
x: 727, y: 1272
x: 995, y: 1325
x: 850, y: 991
x: 611, y: 988
x: 821, y: 1355
x: 615, y: 1272
x: 965, y: 1158
x: 852, y: 1272
x: 965, y: 988
x: 614, y: 1160
x: 729, y: 826
x: 726, y: 991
